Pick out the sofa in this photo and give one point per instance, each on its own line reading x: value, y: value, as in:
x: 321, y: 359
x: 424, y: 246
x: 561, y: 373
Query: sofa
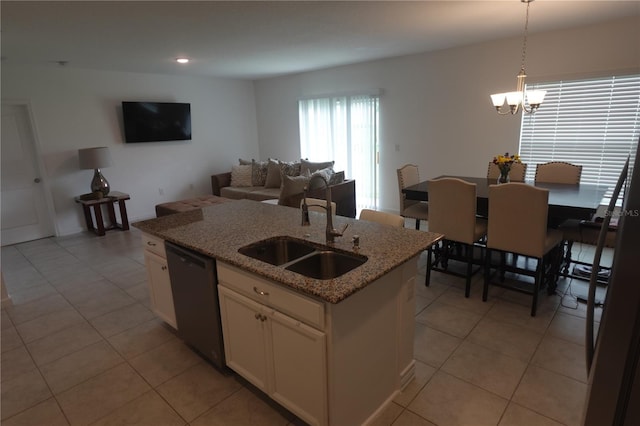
x: 288, y: 190
x: 284, y: 181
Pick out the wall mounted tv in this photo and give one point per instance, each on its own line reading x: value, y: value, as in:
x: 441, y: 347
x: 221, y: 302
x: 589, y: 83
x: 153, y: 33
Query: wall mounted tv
x: 156, y: 121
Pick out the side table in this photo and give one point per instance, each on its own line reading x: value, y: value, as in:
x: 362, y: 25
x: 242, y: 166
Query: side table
x: 96, y: 206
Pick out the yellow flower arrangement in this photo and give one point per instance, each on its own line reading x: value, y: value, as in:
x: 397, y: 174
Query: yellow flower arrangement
x: 504, y: 163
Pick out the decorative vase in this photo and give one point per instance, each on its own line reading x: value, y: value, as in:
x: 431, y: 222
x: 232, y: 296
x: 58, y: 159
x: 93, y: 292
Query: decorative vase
x: 99, y: 183
x: 504, y: 177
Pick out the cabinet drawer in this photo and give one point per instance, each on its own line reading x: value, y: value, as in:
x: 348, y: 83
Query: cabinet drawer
x: 274, y: 295
x: 154, y: 244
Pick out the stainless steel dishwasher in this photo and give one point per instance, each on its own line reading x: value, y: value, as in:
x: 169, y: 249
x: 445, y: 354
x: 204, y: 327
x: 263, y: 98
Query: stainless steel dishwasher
x: 195, y: 298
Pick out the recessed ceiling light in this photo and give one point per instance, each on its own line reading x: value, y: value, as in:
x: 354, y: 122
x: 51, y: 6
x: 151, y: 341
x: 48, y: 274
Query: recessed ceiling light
x: 182, y: 60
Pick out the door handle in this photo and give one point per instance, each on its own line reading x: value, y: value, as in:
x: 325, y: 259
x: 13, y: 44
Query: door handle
x: 37, y: 180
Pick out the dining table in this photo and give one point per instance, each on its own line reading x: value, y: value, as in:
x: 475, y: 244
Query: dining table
x: 566, y: 201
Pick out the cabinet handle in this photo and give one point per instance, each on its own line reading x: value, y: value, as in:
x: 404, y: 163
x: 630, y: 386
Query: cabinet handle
x: 257, y: 316
x: 263, y: 319
x: 260, y: 292
x: 164, y: 268
x: 149, y: 243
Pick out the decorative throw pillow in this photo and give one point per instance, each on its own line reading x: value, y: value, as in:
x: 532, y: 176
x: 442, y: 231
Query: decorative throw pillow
x: 324, y: 173
x: 292, y: 187
x: 336, y: 178
x: 273, y: 174
x: 244, y: 162
x: 241, y: 175
x: 259, y: 172
x: 310, y: 167
x: 291, y: 168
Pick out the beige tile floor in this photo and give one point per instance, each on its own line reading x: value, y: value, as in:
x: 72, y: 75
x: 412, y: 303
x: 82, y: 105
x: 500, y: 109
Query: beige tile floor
x: 81, y: 347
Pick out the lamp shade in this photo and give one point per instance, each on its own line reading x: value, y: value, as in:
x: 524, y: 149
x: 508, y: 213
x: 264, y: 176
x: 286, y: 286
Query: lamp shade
x: 94, y: 158
x: 535, y: 97
x: 514, y: 98
x: 498, y: 99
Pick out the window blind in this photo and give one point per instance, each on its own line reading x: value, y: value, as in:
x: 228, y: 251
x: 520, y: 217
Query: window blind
x: 595, y: 123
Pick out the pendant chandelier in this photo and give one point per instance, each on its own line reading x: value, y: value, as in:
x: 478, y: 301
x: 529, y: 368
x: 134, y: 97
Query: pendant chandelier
x: 519, y: 99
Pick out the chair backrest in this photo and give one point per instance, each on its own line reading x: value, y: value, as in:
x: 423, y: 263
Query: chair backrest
x: 558, y: 172
x: 452, y: 209
x: 318, y: 205
x: 518, y: 218
x: 518, y: 171
x: 407, y: 175
x: 382, y: 218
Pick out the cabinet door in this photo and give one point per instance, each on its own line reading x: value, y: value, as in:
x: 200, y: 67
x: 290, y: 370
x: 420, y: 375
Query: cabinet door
x: 243, y: 325
x: 299, y: 368
x: 160, y: 287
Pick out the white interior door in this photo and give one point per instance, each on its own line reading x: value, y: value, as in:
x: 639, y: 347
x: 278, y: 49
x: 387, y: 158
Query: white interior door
x: 23, y: 207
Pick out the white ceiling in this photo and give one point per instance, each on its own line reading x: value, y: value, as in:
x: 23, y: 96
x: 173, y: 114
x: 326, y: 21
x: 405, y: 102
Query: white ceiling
x: 254, y: 40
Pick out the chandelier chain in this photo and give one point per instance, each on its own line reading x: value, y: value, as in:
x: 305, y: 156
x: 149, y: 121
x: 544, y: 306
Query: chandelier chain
x: 526, y: 33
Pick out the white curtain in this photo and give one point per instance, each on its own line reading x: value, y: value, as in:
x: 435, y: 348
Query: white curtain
x: 344, y: 129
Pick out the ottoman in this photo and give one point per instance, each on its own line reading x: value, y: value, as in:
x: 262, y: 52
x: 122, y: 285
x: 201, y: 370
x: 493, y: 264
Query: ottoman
x: 165, y: 209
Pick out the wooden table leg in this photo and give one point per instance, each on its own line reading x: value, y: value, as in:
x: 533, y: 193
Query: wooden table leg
x: 123, y: 215
x: 112, y: 215
x: 97, y: 210
x: 87, y: 217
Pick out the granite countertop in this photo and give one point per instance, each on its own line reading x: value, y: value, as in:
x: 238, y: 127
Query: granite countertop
x: 220, y: 230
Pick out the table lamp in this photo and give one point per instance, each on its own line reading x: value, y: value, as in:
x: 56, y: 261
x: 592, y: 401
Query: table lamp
x: 96, y: 158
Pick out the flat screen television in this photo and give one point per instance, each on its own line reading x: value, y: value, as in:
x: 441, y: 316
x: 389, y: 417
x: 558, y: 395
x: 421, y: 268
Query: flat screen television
x: 156, y: 121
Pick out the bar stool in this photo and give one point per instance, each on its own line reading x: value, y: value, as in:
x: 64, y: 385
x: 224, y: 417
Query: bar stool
x: 518, y: 224
x: 452, y: 204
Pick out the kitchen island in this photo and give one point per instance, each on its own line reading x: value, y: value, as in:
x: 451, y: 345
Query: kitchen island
x: 332, y: 351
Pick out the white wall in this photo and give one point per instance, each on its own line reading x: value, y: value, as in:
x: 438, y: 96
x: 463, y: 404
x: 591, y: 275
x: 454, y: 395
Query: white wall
x: 74, y: 108
x: 436, y: 106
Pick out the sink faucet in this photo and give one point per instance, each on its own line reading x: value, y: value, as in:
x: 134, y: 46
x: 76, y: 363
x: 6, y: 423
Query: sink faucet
x: 331, y: 232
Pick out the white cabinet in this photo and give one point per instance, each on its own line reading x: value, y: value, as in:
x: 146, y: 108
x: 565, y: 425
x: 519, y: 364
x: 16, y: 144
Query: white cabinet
x: 337, y: 364
x: 299, y: 375
x: 279, y: 354
x: 158, y: 279
x: 244, y: 336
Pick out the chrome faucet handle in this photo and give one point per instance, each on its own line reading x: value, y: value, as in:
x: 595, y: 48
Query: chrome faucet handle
x: 340, y: 233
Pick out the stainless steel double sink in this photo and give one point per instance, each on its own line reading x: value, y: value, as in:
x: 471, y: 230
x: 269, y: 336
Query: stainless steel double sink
x: 302, y: 257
